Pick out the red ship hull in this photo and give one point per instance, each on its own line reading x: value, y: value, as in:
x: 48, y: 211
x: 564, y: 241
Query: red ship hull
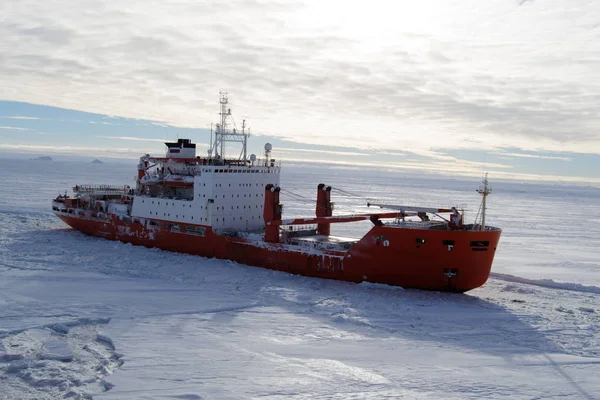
x: 444, y: 260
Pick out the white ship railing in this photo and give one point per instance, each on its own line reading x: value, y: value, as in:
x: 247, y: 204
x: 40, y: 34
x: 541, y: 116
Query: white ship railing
x: 101, y: 189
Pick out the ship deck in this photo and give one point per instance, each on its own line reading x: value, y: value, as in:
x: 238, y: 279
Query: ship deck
x: 323, y: 242
x: 408, y: 224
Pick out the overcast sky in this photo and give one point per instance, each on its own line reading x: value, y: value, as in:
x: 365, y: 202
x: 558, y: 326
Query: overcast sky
x: 426, y: 76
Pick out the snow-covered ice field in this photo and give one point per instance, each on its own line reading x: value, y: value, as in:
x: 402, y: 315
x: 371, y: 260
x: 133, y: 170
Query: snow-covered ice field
x: 83, y: 317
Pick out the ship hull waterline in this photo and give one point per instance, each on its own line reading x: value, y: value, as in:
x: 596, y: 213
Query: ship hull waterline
x: 442, y: 260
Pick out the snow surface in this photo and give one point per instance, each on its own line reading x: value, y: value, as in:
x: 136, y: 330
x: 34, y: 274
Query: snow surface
x: 83, y: 317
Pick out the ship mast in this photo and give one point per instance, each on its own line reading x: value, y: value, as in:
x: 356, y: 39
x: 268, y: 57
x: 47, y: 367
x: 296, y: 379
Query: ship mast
x: 484, y: 191
x: 224, y: 134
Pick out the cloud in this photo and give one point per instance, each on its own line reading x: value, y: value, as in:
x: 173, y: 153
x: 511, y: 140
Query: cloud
x: 462, y: 168
x: 132, y: 138
x: 14, y: 128
x: 538, y: 156
x: 113, y: 152
x: 417, y: 77
x: 20, y: 117
x: 288, y: 150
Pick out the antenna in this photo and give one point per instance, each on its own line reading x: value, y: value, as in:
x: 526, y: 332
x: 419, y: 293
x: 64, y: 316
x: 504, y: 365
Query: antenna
x: 224, y: 134
x: 268, y: 148
x: 211, y: 144
x: 484, y: 191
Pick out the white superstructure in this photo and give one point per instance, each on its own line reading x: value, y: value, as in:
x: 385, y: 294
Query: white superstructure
x: 226, y: 194
x: 224, y: 197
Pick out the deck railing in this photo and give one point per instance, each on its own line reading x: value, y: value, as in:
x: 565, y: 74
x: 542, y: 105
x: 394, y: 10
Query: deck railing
x: 101, y: 189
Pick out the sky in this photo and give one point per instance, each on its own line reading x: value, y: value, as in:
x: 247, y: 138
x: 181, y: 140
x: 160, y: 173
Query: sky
x: 455, y: 86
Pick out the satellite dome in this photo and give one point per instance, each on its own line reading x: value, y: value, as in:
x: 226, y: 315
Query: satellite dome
x: 252, y: 157
x: 268, y: 146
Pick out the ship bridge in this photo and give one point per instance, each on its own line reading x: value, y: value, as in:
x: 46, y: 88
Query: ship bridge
x: 224, y: 193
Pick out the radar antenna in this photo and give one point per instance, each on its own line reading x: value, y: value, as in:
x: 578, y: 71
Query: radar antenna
x: 224, y: 134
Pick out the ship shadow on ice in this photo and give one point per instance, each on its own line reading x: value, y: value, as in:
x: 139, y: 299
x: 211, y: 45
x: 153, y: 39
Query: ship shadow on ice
x: 461, y: 320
